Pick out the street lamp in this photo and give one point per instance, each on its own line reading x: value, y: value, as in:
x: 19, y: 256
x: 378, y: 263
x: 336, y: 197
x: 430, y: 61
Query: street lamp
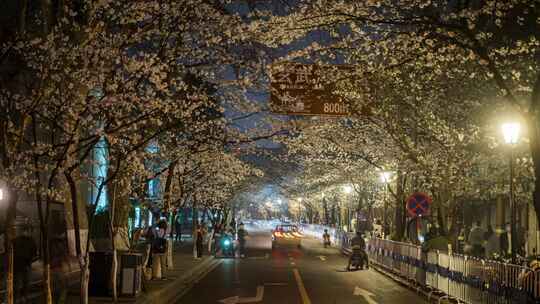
x: 511, y: 131
x: 347, y: 189
x: 299, y: 208
x: 385, y: 176
x: 385, y: 179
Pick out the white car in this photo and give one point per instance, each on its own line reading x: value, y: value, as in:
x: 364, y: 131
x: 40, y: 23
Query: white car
x: 286, y: 235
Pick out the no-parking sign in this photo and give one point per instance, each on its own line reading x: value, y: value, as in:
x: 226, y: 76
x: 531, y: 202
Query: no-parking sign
x: 418, y: 204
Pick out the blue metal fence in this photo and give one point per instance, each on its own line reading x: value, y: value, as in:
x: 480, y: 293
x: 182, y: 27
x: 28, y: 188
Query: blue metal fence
x: 463, y: 278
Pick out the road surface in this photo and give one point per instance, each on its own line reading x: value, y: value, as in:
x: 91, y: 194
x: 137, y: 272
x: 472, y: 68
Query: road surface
x: 311, y: 275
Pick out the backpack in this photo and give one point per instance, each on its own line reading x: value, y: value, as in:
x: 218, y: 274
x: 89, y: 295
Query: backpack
x: 159, y: 245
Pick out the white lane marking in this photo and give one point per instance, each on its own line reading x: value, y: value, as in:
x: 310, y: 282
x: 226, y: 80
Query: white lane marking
x: 236, y: 299
x: 322, y: 257
x: 301, y: 287
x: 293, y: 263
x: 365, y: 294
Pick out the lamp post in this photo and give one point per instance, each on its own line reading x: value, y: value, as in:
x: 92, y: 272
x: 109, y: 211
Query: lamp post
x: 347, y: 189
x: 385, y: 179
x: 299, y: 208
x: 511, y: 132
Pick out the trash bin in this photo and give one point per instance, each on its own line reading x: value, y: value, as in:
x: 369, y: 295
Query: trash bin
x: 100, y: 274
x: 130, y: 274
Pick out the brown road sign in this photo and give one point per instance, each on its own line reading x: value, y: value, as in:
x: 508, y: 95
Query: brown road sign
x: 308, y: 89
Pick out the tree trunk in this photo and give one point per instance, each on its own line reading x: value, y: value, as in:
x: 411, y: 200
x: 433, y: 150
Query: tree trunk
x: 22, y: 16
x: 47, y: 282
x: 83, y: 259
x: 168, y: 183
x: 194, y: 226
x: 85, y: 278
x: 535, y: 152
x: 399, y: 222
x: 44, y: 227
x: 46, y: 266
x: 9, y: 274
x: 114, y: 269
x: 10, y: 236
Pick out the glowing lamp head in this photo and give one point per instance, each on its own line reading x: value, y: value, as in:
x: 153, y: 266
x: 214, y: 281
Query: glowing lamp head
x: 511, y: 131
x: 385, y: 176
x: 227, y: 243
x: 347, y: 189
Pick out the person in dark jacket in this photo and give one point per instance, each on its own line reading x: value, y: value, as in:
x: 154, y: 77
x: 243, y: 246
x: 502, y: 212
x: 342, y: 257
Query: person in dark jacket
x: 358, y: 243
x: 242, y: 235
x: 25, y: 252
x: 199, y: 240
x: 178, y: 226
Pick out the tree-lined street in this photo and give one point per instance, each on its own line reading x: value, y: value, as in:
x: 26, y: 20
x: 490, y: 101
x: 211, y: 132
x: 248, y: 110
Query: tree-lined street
x: 137, y: 132
x: 291, y: 276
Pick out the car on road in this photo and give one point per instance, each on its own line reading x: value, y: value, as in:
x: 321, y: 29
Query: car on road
x: 286, y: 235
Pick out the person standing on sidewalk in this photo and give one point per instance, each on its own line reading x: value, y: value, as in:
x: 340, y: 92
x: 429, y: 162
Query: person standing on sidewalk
x: 25, y: 250
x: 492, y: 242
x: 476, y: 239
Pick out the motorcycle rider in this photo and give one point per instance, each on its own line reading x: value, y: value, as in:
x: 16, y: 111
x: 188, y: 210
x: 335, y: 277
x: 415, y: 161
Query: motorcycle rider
x: 326, y: 238
x: 227, y: 244
x: 358, y: 245
x: 242, y: 234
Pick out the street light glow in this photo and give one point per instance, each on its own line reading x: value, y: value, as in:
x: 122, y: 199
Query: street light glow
x: 1, y: 194
x: 511, y: 132
x: 347, y: 189
x: 299, y: 199
x: 385, y: 176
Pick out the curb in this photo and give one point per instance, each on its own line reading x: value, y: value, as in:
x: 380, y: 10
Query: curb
x: 429, y: 295
x: 182, y: 285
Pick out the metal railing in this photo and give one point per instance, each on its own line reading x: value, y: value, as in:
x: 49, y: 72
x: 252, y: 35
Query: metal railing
x: 455, y: 276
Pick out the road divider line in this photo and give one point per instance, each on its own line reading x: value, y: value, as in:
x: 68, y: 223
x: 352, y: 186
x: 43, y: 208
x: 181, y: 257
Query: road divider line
x: 301, y: 287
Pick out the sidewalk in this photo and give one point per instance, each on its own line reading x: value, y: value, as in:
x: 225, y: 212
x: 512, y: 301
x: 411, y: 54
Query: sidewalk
x: 175, y: 283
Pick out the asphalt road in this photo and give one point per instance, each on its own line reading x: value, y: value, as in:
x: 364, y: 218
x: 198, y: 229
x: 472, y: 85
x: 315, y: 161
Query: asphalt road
x: 310, y: 275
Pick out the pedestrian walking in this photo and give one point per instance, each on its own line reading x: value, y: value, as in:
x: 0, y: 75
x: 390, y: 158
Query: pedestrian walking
x: 492, y: 242
x: 506, y: 240
x: 476, y: 239
x: 178, y: 226
x: 199, y: 240
x: 25, y: 252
